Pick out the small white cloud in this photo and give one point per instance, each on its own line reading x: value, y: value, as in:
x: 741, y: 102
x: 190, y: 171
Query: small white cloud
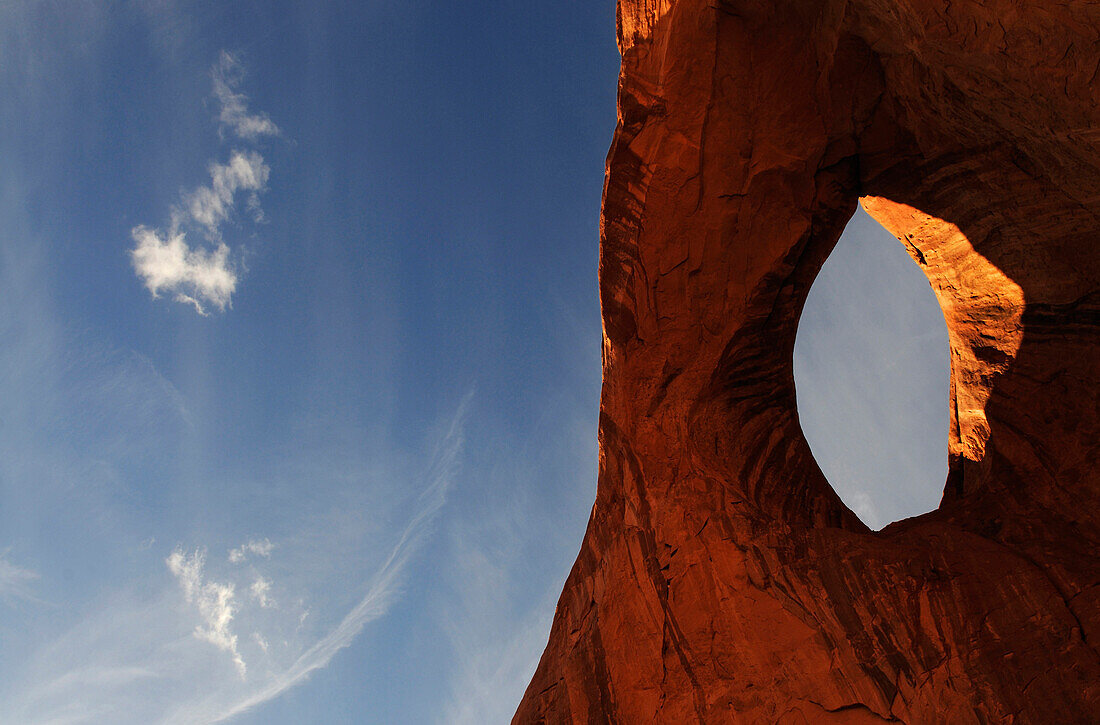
x: 214, y: 601
x: 254, y: 547
x: 259, y: 591
x: 228, y: 74
x: 14, y: 579
x: 195, y: 275
x: 260, y: 641
x: 165, y: 262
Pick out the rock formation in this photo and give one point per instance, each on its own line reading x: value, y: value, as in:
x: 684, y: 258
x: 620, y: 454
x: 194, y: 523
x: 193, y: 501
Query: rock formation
x: 720, y: 578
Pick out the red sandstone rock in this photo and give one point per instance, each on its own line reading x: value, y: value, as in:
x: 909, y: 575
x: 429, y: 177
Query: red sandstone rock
x: 721, y: 579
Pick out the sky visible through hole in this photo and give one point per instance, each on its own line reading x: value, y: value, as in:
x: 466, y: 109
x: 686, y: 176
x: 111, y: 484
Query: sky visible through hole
x: 300, y: 354
x: 872, y: 377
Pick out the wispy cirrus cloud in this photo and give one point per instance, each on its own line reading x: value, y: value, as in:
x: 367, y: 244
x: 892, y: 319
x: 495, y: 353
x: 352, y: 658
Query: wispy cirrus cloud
x: 209, y: 206
x: 260, y: 590
x: 215, y: 602
x: 382, y: 589
x: 198, y: 275
x: 14, y: 580
x: 253, y: 547
x: 228, y: 73
x: 495, y: 616
x: 212, y: 645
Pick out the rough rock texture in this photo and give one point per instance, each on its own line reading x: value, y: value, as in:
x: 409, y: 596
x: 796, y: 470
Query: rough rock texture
x: 721, y: 579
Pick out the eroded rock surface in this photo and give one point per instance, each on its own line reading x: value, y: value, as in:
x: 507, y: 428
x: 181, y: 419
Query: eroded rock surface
x: 721, y: 579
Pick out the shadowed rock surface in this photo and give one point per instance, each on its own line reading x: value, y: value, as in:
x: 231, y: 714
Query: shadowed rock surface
x: 721, y: 579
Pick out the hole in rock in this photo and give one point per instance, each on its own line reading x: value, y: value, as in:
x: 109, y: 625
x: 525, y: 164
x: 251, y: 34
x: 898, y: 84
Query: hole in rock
x: 871, y: 368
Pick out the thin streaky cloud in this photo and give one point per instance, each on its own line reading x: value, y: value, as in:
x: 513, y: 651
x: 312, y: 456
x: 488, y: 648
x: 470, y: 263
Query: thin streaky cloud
x: 15, y: 580
x: 382, y: 589
x: 104, y: 669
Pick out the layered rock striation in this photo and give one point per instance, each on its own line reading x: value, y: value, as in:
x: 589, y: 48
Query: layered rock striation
x: 721, y: 579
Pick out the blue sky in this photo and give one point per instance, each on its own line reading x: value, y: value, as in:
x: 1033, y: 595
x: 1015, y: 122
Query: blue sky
x: 299, y: 355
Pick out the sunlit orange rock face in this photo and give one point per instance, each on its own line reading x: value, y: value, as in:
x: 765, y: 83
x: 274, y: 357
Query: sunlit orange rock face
x: 721, y: 579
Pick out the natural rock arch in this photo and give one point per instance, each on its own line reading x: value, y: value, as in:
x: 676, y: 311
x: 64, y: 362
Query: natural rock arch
x: 720, y: 578
x: 872, y: 376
